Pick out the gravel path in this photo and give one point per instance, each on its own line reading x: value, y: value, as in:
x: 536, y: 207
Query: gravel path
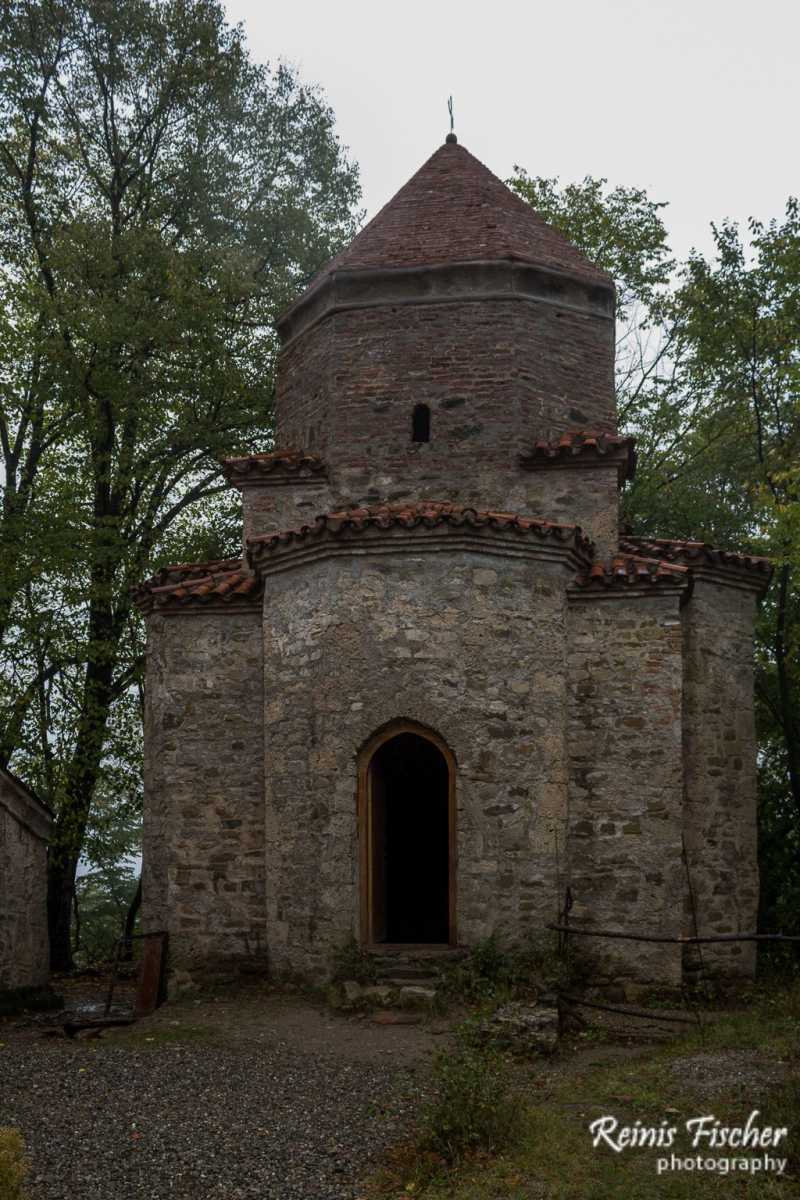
x: 107, y: 1121
x: 738, y: 1071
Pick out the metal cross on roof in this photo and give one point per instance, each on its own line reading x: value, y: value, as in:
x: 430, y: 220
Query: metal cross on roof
x: 451, y: 137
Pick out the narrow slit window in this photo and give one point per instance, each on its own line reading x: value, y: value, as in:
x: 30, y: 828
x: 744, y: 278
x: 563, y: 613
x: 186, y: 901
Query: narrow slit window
x: 421, y: 424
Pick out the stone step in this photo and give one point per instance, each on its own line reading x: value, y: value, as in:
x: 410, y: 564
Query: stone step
x: 418, y: 953
x: 415, y: 961
x: 402, y: 970
x: 412, y: 993
x: 401, y: 981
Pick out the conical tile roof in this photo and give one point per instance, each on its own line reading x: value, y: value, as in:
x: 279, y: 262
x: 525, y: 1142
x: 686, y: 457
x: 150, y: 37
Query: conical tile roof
x: 455, y: 210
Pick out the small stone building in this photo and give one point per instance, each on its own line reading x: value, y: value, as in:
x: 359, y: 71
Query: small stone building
x: 438, y: 688
x: 25, y: 826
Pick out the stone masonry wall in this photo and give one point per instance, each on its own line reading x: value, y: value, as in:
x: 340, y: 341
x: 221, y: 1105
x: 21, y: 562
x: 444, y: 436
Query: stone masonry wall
x: 203, y: 860
x: 271, y: 508
x: 626, y: 781
x: 588, y: 497
x: 24, y: 946
x: 467, y: 644
x: 720, y: 756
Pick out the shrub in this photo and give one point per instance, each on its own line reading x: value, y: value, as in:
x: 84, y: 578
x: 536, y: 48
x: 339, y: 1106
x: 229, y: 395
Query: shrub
x: 493, y: 972
x: 488, y: 973
x: 351, y: 962
x: 472, y: 1108
x: 13, y: 1165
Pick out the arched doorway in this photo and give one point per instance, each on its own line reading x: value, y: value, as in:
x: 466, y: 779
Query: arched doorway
x: 407, y: 835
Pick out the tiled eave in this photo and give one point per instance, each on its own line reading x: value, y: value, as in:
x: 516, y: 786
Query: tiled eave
x: 274, y: 468
x: 726, y: 567
x: 627, y: 575
x: 430, y: 525
x: 583, y: 448
x: 222, y: 585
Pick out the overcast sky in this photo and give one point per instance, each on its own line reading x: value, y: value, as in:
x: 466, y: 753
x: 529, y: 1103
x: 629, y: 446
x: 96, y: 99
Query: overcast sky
x: 694, y: 100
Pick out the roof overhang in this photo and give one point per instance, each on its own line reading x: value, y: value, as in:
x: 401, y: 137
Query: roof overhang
x: 426, y: 527
x: 24, y: 806
x: 348, y: 289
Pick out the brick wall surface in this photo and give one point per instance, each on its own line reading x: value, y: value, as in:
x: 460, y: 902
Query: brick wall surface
x: 495, y: 373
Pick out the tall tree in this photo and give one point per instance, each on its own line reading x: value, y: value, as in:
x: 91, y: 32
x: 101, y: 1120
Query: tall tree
x: 740, y: 318
x: 163, y: 197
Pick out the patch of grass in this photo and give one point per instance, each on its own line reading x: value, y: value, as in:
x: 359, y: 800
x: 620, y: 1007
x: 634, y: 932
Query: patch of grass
x: 551, y: 1157
x: 14, y: 1165
x: 770, y: 1021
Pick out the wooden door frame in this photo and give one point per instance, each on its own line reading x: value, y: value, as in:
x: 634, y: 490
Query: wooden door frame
x: 364, y: 812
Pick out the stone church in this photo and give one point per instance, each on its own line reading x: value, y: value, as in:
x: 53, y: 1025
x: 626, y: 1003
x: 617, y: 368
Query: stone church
x: 438, y: 688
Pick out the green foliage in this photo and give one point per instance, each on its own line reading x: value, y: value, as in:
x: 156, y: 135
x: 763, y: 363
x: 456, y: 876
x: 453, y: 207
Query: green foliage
x: 489, y: 972
x: 14, y: 1166
x: 733, y: 478
x: 621, y: 230
x: 472, y: 1108
x: 102, y: 898
x: 350, y: 961
x: 494, y: 973
x: 163, y: 199
x: 779, y: 860
x: 550, y: 1154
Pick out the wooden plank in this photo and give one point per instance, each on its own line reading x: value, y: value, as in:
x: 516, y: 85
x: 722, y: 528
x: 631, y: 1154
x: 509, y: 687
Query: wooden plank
x: 151, y: 991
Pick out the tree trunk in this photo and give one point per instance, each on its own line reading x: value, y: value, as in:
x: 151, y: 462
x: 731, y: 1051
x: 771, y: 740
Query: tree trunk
x: 60, y: 899
x: 80, y: 782
x: 130, y: 921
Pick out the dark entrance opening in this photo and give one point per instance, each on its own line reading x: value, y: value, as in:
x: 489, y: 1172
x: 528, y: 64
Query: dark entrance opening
x: 409, y: 820
x: 421, y: 423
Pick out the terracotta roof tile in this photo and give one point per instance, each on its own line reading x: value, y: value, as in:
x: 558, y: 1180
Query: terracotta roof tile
x: 455, y: 210
x: 275, y: 463
x: 195, y: 584
x: 629, y: 570
x: 582, y: 445
x: 429, y: 514
x: 693, y: 553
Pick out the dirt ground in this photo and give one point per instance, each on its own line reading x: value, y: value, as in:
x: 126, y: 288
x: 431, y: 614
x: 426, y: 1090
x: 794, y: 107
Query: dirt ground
x: 260, y: 1093
x: 256, y: 1094
x: 246, y: 1015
